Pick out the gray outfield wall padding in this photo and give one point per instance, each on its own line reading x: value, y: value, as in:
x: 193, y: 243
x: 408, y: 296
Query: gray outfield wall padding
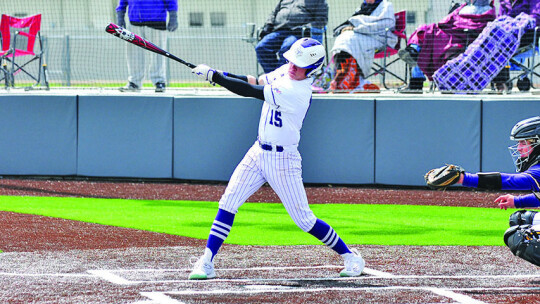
x: 125, y: 136
x: 338, y: 141
x: 413, y: 136
x: 211, y: 135
x: 344, y: 140
x: 499, y: 116
x: 38, y: 135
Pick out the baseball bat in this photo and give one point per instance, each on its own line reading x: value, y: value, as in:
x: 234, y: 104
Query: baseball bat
x: 128, y: 36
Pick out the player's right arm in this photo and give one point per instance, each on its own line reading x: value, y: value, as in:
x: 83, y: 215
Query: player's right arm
x: 238, y: 86
x: 235, y: 83
x: 247, y: 78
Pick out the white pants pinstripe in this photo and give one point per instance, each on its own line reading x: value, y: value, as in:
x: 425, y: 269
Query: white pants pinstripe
x: 136, y: 56
x: 282, y: 171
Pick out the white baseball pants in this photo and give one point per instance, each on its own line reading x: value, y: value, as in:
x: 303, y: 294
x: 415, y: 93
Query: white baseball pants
x: 282, y: 171
x: 136, y: 56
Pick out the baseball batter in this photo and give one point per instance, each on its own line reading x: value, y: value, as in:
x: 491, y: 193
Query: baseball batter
x: 274, y: 157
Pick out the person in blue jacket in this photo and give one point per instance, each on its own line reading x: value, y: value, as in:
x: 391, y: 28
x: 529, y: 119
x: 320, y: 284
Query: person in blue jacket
x: 523, y: 236
x: 148, y: 19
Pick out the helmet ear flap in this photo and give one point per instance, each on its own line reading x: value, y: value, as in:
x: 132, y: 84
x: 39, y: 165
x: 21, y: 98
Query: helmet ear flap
x: 311, y: 72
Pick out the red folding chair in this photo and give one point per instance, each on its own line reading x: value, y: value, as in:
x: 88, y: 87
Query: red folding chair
x: 391, y: 50
x: 18, y: 39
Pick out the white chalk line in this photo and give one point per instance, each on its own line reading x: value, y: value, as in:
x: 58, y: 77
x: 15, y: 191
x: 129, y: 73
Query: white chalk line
x: 231, y: 269
x: 113, y: 275
x: 18, y: 274
x: 162, y: 298
x: 109, y: 275
x: 459, y: 298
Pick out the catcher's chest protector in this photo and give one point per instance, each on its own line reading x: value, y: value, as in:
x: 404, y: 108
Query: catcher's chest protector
x: 485, y: 57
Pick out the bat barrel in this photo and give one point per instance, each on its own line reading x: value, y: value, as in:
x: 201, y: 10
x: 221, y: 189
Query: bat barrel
x: 130, y: 37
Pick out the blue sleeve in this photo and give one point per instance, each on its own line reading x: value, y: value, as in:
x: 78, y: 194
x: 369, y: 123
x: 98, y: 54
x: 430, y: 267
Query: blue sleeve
x: 171, y: 5
x: 470, y: 180
x: 517, y: 181
x: 526, y: 201
x: 122, y: 5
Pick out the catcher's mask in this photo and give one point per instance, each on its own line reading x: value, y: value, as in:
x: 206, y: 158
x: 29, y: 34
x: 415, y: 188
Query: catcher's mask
x: 306, y: 53
x: 526, y: 152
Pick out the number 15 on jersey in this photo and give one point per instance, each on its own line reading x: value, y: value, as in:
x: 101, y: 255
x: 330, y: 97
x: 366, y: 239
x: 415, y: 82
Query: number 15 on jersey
x: 275, y: 118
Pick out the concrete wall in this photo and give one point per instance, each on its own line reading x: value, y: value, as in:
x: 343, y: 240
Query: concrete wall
x: 344, y: 140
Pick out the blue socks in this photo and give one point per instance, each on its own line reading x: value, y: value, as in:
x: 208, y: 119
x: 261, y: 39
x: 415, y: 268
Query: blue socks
x: 329, y: 237
x: 220, y: 230
x: 224, y: 220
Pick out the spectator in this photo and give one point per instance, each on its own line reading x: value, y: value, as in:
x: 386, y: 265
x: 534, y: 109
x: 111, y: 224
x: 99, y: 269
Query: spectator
x: 147, y: 18
x: 285, y: 25
x: 513, y: 8
x: 432, y: 45
x: 357, y: 40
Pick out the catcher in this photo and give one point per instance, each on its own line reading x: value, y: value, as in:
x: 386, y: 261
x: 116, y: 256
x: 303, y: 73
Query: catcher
x: 521, y: 237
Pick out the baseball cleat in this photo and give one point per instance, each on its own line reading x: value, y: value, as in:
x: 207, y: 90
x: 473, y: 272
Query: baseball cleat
x: 160, y: 87
x: 130, y: 87
x: 354, y: 264
x: 203, y: 269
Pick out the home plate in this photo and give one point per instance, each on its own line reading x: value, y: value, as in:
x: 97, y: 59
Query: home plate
x: 266, y: 287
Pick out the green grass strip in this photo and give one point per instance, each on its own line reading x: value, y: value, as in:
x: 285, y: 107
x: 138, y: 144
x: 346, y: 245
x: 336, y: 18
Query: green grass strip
x: 269, y: 224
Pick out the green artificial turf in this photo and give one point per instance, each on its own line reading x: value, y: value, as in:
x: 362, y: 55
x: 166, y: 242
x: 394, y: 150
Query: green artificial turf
x: 269, y: 224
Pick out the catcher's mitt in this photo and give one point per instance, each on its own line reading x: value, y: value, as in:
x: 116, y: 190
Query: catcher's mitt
x: 443, y: 177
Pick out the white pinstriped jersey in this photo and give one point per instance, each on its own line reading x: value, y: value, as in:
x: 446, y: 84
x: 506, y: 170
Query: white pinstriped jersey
x: 285, y: 106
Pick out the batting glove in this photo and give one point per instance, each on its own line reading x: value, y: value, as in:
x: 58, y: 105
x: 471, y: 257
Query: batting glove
x: 121, y: 18
x: 204, y: 72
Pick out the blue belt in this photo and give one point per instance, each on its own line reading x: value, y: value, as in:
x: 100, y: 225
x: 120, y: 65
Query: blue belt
x: 270, y: 148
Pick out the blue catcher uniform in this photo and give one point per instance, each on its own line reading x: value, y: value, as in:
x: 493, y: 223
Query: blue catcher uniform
x: 528, y: 180
x: 523, y: 237
x: 526, y: 157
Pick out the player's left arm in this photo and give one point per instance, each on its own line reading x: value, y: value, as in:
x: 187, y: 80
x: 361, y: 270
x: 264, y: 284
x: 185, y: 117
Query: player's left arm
x: 499, y: 181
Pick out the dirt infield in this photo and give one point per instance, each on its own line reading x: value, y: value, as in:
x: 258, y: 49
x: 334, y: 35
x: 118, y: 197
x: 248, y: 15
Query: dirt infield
x: 49, y: 260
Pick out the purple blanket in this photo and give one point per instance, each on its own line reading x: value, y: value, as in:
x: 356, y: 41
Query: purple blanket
x: 447, y: 39
x: 485, y: 57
